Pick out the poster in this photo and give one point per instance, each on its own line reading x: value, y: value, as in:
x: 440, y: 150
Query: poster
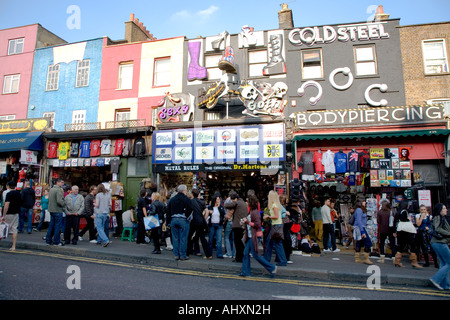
x: 424, y: 197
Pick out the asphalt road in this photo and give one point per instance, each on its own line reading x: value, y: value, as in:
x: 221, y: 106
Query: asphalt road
x: 35, y: 275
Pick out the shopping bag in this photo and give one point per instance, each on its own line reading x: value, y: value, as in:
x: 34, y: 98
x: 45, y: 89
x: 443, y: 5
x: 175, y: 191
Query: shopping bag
x: 4, y: 230
x: 151, y: 222
x: 47, y: 216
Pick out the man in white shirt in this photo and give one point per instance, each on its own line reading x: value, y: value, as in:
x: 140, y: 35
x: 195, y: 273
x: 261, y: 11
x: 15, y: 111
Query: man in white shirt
x: 328, y: 228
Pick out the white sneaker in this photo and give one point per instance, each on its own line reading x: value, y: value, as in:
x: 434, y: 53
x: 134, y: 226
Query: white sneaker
x: 80, y: 238
x: 326, y: 250
x: 290, y: 262
x: 93, y: 241
x: 336, y: 250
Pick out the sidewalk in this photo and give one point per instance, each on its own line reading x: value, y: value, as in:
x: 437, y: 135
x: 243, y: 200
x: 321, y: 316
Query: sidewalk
x: 328, y: 266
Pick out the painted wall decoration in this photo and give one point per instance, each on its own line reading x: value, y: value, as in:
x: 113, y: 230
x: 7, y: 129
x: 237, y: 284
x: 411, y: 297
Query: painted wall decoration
x: 345, y: 71
x: 264, y: 99
x: 195, y: 71
x: 383, y: 88
x: 175, y: 107
x: 311, y: 83
x: 276, y: 64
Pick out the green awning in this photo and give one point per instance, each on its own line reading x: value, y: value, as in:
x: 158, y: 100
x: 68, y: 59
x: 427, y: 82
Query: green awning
x: 379, y: 134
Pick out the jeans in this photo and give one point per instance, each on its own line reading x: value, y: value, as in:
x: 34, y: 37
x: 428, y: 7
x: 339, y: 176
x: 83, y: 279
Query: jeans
x: 215, y: 232
x: 72, y: 222
x: 249, y: 249
x: 180, y: 231
x: 54, y: 228
x: 29, y: 213
x: 443, y: 253
x: 279, y: 251
x: 328, y: 232
x: 228, y: 239
x: 102, y: 224
x: 41, y: 220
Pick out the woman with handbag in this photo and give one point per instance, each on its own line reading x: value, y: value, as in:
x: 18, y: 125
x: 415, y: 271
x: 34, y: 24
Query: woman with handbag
x: 276, y: 236
x: 439, y: 243
x: 360, y: 234
x: 252, y: 237
x: 157, y: 209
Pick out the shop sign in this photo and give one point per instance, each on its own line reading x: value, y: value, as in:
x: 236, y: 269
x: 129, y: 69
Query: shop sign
x: 264, y: 168
x: 175, y: 107
x: 28, y: 157
x: 373, y: 117
x: 24, y: 125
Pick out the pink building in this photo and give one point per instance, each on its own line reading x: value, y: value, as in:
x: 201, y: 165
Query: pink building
x: 17, y: 47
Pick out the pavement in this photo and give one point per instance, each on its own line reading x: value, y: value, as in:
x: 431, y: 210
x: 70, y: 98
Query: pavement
x: 325, y: 267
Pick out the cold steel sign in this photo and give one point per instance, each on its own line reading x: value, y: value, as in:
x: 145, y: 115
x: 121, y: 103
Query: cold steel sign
x: 369, y: 117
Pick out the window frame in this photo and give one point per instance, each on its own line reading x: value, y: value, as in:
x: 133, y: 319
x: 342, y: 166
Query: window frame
x: 445, y: 58
x: 11, y: 83
x: 52, y: 77
x: 263, y: 63
x: 80, y: 112
x: 129, y: 64
x: 374, y: 60
x: 302, y: 52
x: 14, y: 41
x: 52, y: 115
x: 122, y: 111
x: 211, y: 69
x: 85, y: 69
x: 156, y: 72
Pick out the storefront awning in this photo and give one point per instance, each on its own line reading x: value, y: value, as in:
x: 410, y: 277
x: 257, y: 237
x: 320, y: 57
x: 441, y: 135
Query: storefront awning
x: 24, y: 140
x: 378, y: 134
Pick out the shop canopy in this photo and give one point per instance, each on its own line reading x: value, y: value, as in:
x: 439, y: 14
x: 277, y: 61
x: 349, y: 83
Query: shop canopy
x: 378, y: 134
x: 18, y: 141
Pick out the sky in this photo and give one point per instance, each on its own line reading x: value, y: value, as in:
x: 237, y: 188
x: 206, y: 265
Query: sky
x: 79, y: 20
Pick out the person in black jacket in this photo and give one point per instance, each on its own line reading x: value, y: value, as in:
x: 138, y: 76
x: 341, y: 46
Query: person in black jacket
x: 28, y: 198
x: 157, y: 208
x: 179, y: 210
x: 198, y: 227
x: 215, y: 215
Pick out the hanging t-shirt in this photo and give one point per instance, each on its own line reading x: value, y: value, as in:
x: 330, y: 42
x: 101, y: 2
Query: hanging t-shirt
x: 126, y: 151
x: 340, y: 162
x: 139, y: 148
x: 118, y: 146
x: 85, y: 149
x: 317, y: 159
x: 353, y: 163
x: 64, y: 148
x: 95, y: 148
x: 52, y: 150
x: 328, y: 162
x: 74, y: 149
x: 306, y: 161
x: 364, y: 161
x: 106, y: 147
x: 115, y: 163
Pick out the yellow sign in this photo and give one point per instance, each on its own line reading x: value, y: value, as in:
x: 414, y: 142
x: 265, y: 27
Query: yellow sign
x: 377, y: 153
x: 24, y: 125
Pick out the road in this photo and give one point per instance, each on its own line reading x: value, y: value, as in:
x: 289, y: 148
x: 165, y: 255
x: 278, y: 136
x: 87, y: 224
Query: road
x: 36, y: 275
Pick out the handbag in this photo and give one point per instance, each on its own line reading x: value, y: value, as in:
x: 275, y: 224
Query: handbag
x: 4, y: 230
x: 433, y: 233
x: 277, y: 232
x: 406, y: 226
x: 151, y: 222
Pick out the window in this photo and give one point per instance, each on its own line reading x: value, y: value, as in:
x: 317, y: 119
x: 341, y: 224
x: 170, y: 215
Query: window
x: 83, y: 73
x: 212, y: 115
x: 11, y: 84
x: 8, y: 117
x: 434, y: 56
x: 212, y: 65
x: 15, y: 46
x: 78, y: 116
x: 137, y: 167
x: 52, y: 116
x: 161, y: 76
x: 125, y: 75
x: 256, y: 62
x: 122, y: 115
x: 445, y: 103
x: 312, y: 64
x: 365, y: 60
x: 52, y: 77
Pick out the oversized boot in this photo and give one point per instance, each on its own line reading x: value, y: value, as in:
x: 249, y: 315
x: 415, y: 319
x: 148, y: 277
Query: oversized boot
x: 413, y: 259
x: 398, y: 260
x: 358, y: 257
x: 381, y: 258
x: 276, y: 65
x: 366, y: 258
x: 195, y: 71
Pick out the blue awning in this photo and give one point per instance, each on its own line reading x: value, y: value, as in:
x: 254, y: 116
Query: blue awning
x: 24, y: 140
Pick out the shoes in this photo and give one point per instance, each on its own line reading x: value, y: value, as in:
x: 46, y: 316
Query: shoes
x: 207, y: 258
x: 156, y: 251
x: 336, y: 250
x: 272, y: 274
x: 80, y: 238
x: 184, y: 259
x: 242, y: 275
x: 221, y: 257
x: 326, y: 250
x: 93, y: 241
x: 106, y: 243
x: 436, y: 284
x: 290, y: 262
x: 35, y: 229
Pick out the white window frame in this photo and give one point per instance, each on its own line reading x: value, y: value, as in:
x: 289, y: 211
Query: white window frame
x: 123, y: 114
x: 161, y: 73
x: 78, y: 116
x: 125, y: 79
x: 257, y: 59
x: 83, y: 68
x: 308, y: 65
x: 428, y: 62
x: 212, y: 66
x: 11, y: 83
x: 52, y: 116
x: 8, y: 117
x: 363, y: 61
x: 16, y: 45
x: 52, y: 78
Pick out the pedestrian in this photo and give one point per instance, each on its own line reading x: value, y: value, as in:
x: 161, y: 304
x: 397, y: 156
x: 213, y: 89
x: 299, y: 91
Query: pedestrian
x: 102, y: 207
x: 129, y: 220
x: 179, y: 210
x: 252, y: 238
x: 275, y: 238
x: 349, y: 220
x: 165, y: 196
x: 89, y: 215
x: 11, y: 211
x: 198, y: 227
x: 316, y: 216
x: 28, y: 199
x: 405, y: 236
x: 56, y: 208
x: 238, y: 210
x: 140, y: 215
x: 328, y: 229
x: 360, y: 234
x: 158, y: 209
x: 385, y: 222
x: 287, y: 224
x: 228, y: 232
x: 423, y: 221
x: 439, y: 243
x: 215, y: 217
x: 74, y: 208
x: 44, y: 208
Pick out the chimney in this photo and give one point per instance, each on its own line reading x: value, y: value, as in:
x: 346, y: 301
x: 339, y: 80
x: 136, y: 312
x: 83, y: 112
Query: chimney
x: 285, y: 19
x: 380, y: 15
x: 136, y: 31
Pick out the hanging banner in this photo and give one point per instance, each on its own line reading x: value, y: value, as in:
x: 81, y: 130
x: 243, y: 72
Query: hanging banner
x: 28, y: 157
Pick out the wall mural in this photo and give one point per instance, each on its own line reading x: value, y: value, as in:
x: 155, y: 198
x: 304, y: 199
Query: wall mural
x: 264, y: 99
x: 175, y: 107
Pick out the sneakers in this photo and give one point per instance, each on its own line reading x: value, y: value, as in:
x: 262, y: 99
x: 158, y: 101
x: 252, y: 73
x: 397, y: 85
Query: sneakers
x: 436, y: 284
x: 336, y: 250
x: 106, y: 243
x: 93, y: 241
x: 80, y: 238
x: 227, y: 256
x: 326, y: 250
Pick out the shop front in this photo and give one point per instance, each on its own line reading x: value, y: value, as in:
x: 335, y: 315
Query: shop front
x: 220, y: 159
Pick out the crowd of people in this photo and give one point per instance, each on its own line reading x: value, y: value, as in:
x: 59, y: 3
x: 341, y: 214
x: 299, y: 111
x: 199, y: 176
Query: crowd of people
x: 234, y: 227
